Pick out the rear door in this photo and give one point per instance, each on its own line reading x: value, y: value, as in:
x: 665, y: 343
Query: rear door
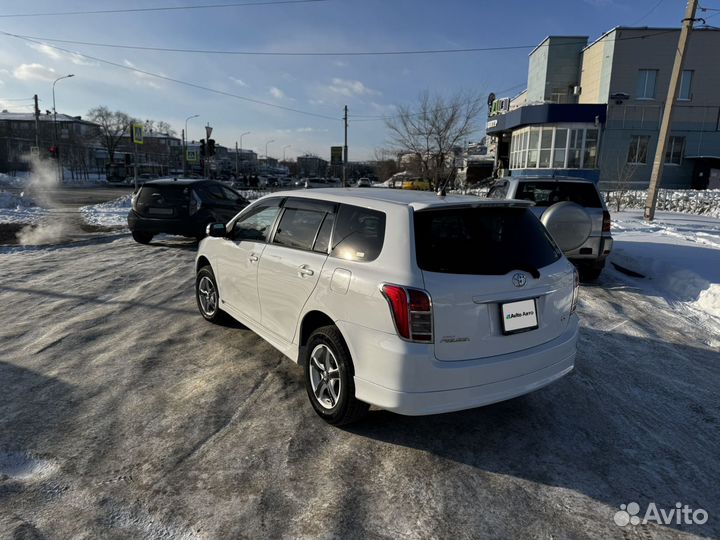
x: 223, y: 202
x: 497, y: 281
x: 291, y: 264
x: 168, y: 201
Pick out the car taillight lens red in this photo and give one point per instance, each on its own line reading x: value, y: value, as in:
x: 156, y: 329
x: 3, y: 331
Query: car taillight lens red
x: 606, y: 221
x: 412, y: 312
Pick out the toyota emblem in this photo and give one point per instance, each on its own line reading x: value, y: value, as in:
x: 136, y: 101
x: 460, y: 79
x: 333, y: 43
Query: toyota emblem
x: 519, y: 280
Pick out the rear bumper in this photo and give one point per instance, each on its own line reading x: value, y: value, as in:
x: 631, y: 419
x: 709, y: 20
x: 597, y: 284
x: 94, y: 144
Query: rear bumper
x: 406, y: 378
x: 421, y: 403
x: 594, y: 248
x: 181, y: 226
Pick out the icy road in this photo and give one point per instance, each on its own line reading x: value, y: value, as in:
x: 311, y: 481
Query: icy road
x: 124, y: 415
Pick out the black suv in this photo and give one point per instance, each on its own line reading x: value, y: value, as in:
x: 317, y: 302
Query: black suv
x: 184, y: 207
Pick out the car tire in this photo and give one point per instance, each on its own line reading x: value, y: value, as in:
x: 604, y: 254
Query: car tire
x: 207, y: 295
x: 142, y: 237
x: 328, y: 374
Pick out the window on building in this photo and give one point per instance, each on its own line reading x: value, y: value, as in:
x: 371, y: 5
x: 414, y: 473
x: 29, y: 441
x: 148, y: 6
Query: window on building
x: 575, y: 149
x: 545, y: 148
x: 637, y: 153
x: 532, y: 161
x: 646, y: 84
x: 685, y: 92
x: 560, y: 145
x: 674, y: 150
x: 591, y: 146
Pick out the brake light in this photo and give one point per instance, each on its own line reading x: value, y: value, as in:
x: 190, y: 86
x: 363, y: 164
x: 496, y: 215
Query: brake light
x: 606, y: 221
x: 576, y: 290
x: 412, y: 312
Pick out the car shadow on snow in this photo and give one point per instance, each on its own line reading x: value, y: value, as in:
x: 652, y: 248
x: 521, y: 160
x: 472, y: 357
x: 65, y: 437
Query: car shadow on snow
x: 637, y: 420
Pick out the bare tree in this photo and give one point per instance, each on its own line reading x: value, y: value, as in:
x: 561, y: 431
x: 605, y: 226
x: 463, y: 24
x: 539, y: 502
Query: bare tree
x: 164, y: 127
x: 385, y: 164
x: 113, y: 126
x: 624, y: 175
x: 434, y: 129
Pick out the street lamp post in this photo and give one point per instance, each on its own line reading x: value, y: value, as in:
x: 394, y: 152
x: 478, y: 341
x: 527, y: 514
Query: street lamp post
x: 185, y: 139
x: 285, y: 148
x: 55, y: 137
x: 266, y: 148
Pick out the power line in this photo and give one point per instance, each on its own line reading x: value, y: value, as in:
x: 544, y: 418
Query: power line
x: 178, y: 81
x: 160, y: 8
x: 650, y: 12
x: 17, y: 99
x: 278, y: 53
x: 320, y: 53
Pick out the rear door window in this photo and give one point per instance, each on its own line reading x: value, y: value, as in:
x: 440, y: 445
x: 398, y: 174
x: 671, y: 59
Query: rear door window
x: 359, y: 234
x: 548, y: 193
x: 482, y: 241
x: 298, y: 228
x: 159, y: 195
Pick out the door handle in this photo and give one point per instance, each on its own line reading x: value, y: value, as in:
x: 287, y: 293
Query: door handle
x: 253, y: 258
x: 305, y: 271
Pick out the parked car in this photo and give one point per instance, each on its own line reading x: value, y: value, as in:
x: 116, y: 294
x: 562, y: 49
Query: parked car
x: 412, y: 302
x: 183, y: 207
x: 573, y: 211
x: 363, y: 182
x: 416, y: 183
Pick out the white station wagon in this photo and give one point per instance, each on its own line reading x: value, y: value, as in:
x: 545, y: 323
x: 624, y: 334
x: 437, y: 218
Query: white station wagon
x: 409, y: 301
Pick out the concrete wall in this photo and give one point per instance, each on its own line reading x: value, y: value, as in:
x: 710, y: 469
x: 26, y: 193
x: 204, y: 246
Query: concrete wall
x: 596, y: 70
x: 554, y: 66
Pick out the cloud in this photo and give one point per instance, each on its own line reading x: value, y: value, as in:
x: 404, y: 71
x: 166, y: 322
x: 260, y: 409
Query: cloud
x: 27, y: 72
x: 239, y: 82
x: 276, y: 92
x: 339, y: 63
x: 55, y: 54
x: 347, y: 87
x: 144, y: 78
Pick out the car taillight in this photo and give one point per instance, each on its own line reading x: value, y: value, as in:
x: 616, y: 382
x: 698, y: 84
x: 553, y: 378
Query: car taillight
x: 195, y: 204
x: 412, y: 312
x: 606, y: 221
x: 576, y: 290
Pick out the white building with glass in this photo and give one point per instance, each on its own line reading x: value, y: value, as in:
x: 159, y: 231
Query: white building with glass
x: 593, y: 110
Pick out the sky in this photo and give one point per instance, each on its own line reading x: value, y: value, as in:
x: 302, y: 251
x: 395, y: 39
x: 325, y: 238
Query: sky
x: 371, y: 86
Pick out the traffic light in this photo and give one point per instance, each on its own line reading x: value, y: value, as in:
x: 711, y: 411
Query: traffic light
x: 53, y: 152
x: 211, y: 147
x: 202, y: 147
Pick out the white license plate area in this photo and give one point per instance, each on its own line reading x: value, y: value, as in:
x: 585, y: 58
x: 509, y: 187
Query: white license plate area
x: 160, y: 211
x: 519, y: 316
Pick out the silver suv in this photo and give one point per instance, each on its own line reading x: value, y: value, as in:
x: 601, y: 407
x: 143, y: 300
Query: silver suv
x: 573, y: 212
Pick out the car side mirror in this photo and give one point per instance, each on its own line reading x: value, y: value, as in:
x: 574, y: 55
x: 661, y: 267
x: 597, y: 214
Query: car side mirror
x: 216, y: 230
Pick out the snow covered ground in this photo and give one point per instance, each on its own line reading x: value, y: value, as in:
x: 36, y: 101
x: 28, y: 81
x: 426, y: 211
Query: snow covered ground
x: 108, y: 214
x: 18, y: 208
x: 679, y: 257
x: 688, y: 201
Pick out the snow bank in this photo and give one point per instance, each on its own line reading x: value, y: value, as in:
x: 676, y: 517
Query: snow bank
x: 688, y: 201
x: 19, y: 209
x: 679, y: 257
x: 8, y: 200
x: 12, y: 181
x: 108, y: 214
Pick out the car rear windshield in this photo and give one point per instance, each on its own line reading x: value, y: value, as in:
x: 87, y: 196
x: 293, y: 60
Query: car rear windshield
x: 548, y: 193
x: 163, y: 195
x: 482, y: 241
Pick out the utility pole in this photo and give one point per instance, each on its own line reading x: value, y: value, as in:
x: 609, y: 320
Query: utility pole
x: 237, y: 155
x: 659, y: 161
x: 345, y: 151
x: 184, y: 152
x: 37, y: 122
